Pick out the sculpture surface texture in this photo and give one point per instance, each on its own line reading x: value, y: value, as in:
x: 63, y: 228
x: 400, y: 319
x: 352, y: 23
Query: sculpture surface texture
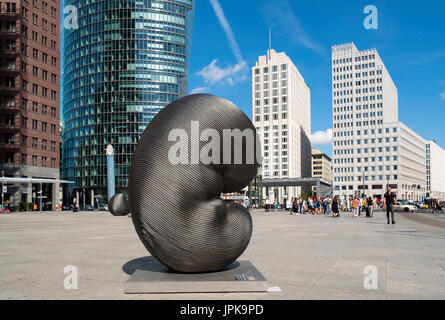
x: 118, y: 205
x: 175, y: 204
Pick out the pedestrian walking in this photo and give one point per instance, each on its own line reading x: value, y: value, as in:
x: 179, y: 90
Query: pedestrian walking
x: 363, y: 203
x: 436, y: 206
x: 289, y: 205
x: 328, y: 202
x: 335, y: 207
x: 369, y: 204
x: 310, y: 203
x: 356, y: 207
x: 295, y: 205
x: 302, y: 205
x: 267, y: 205
x: 390, y: 202
x: 324, y: 205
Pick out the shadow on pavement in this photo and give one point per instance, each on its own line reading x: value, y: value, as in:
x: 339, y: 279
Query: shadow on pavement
x: 152, y: 264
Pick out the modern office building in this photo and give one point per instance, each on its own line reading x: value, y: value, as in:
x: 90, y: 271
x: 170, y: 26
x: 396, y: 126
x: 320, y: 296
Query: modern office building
x: 123, y: 63
x: 29, y: 98
x: 281, y: 109
x: 410, y: 176
x: 435, y: 170
x: 371, y: 148
x: 321, y: 165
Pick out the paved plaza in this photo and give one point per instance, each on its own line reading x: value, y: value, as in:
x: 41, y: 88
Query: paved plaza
x: 307, y: 257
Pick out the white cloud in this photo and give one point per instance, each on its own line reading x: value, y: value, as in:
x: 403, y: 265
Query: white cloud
x: 279, y: 15
x: 322, y: 137
x: 442, y: 95
x: 227, y: 30
x: 229, y: 74
x: 200, y: 90
x: 214, y: 73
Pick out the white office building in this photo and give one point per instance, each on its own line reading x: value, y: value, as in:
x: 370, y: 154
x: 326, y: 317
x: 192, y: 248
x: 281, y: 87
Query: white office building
x: 371, y: 148
x: 435, y: 170
x: 281, y: 112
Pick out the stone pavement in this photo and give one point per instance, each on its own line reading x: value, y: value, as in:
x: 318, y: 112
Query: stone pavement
x: 307, y: 257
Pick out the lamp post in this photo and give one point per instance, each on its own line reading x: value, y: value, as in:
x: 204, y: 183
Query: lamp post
x: 110, y: 171
x: 3, y: 175
x: 40, y: 197
x: 363, y: 183
x: 83, y: 194
x: 97, y: 202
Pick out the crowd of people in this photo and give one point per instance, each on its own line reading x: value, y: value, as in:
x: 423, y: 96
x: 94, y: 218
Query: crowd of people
x: 433, y: 206
x: 334, y: 206
x: 326, y: 205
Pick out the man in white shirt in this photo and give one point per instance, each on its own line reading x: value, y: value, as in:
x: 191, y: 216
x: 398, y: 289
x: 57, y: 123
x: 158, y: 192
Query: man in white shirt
x: 328, y: 205
x: 289, y: 206
x: 267, y: 205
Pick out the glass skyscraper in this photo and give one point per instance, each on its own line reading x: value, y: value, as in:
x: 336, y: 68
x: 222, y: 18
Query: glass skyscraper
x: 123, y: 63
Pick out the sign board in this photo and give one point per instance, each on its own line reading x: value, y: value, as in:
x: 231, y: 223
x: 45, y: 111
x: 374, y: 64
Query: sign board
x: 5, y: 189
x: 234, y: 198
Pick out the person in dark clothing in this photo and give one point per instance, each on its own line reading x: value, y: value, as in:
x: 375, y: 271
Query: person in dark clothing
x: 335, y: 208
x: 436, y: 206
x: 295, y: 205
x: 390, y: 201
x: 369, y: 205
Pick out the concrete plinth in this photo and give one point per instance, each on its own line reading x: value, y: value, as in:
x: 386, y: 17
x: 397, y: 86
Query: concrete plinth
x: 241, y: 276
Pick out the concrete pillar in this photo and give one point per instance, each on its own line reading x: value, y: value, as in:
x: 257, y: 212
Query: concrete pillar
x: 92, y: 197
x: 29, y: 192
x: 56, y: 196
x: 39, y: 196
x: 77, y: 204
x: 318, y: 188
x: 15, y: 196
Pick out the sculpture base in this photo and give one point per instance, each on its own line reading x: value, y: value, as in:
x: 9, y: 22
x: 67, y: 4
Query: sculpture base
x: 240, y: 276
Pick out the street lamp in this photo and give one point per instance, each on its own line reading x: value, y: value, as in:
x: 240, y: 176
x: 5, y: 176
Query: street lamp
x: 363, y: 182
x: 3, y: 175
x: 83, y: 193
x: 111, y: 179
x: 40, y: 197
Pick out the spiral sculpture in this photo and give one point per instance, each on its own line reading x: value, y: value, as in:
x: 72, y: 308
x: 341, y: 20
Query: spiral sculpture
x: 176, y: 207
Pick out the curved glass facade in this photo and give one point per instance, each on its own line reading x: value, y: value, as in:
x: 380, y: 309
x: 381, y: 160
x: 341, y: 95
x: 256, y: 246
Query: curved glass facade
x: 121, y: 66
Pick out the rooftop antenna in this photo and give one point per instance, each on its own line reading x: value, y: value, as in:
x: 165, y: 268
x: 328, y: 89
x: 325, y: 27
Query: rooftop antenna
x: 270, y: 41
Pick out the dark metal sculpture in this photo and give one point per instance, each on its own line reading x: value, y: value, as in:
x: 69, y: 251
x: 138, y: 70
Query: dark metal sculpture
x: 176, y: 208
x: 118, y: 205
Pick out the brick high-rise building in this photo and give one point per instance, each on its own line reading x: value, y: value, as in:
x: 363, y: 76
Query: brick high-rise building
x: 29, y: 95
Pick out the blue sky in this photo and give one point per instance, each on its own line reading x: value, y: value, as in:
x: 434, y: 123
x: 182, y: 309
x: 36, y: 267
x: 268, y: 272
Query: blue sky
x: 229, y: 35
